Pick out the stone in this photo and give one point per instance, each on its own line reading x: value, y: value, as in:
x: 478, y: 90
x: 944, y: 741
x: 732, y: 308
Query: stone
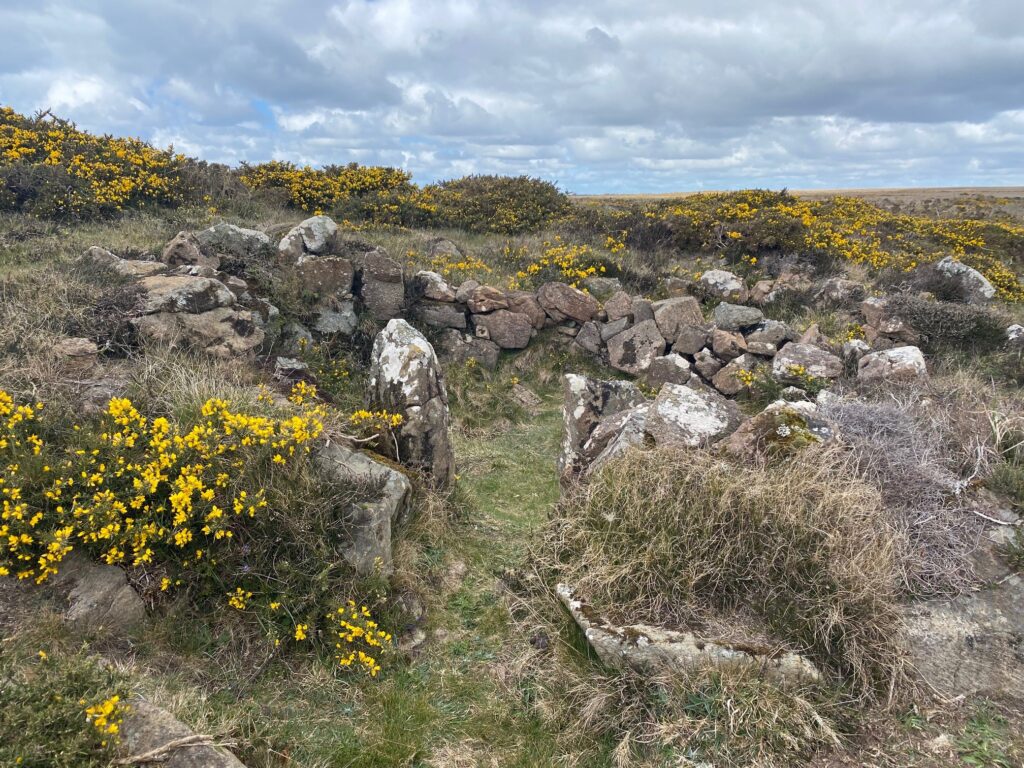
x: 405, y: 378
x: 462, y: 348
x: 155, y: 734
x: 614, y: 327
x: 671, y: 315
x: 839, y: 292
x: 223, y: 332
x: 77, y: 354
x: 762, y: 349
x: 1015, y: 336
x: 586, y: 402
x: 811, y: 360
x: 290, y: 369
x: 727, y: 345
x: 486, y: 298
x: 613, y: 436
x: 635, y: 348
x: 383, y: 288
x: 432, y: 286
x: 965, y: 282
x: 525, y: 303
x: 814, y: 336
x: 672, y: 368
x: 897, y: 364
x: 589, y: 337
x: 641, y: 310
x: 691, y: 339
x: 101, y: 257
x: 618, y: 306
x: 325, y: 275
x: 781, y: 425
x: 881, y: 321
x: 727, y: 381
x: 295, y: 338
x: 761, y: 291
x: 229, y: 240
x: 772, y: 332
x: 707, y: 364
x: 854, y: 350
x: 340, y: 317
x: 99, y: 596
x: 176, y: 293
x: 736, y: 317
x: 654, y: 650
x: 464, y: 291
x: 788, y: 284
x: 677, y: 286
x: 721, y: 284
x: 439, y: 314
x: 602, y: 287
x: 312, y: 236
x: 509, y: 330
x: 184, y: 248
x: 685, y: 417
x: 385, y: 499
x: 971, y: 645
x: 443, y: 248
x: 562, y: 301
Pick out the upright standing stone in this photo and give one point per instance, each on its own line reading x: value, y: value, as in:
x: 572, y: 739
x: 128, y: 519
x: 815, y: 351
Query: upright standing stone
x: 405, y: 378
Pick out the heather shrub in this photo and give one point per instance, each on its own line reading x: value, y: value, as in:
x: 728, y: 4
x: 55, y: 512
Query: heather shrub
x: 950, y: 324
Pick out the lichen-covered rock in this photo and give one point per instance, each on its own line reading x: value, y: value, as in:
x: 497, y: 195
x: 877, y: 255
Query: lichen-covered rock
x: 525, y: 303
x: 602, y: 288
x: 707, y: 364
x: 635, y: 348
x: 672, y: 368
x: 655, y: 649
x: 672, y: 315
x: 312, y: 236
x: 795, y: 362
x: 772, y: 332
x: 691, y: 339
x: 405, y: 378
x: 724, y: 285
x: 727, y: 345
x: 965, y: 282
x: 586, y: 402
x: 95, y: 256
x: 897, y: 364
x: 184, y: 248
x: 486, y: 298
x: 839, y: 292
x: 618, y: 306
x: 589, y: 337
x: 461, y: 348
x: 728, y: 380
x: 369, y: 522
x: 509, y: 330
x: 1015, y: 336
x: 336, y: 317
x: 781, y: 426
x: 383, y: 286
x: 613, y: 436
x: 683, y: 416
x: 222, y: 332
x: 562, y: 302
x: 432, y: 286
x: 440, y: 314
x: 157, y: 737
x: 178, y: 293
x: 229, y: 240
x: 736, y: 317
x: 77, y: 354
x: 324, y: 276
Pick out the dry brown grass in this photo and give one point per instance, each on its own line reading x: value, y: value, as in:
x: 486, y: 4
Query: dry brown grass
x: 681, y: 537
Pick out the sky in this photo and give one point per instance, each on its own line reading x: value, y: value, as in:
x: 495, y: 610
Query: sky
x: 595, y: 95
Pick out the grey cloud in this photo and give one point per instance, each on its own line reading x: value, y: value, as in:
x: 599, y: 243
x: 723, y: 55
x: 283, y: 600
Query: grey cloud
x: 600, y: 95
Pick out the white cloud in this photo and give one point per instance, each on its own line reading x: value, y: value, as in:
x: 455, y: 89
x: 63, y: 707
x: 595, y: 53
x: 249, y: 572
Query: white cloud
x: 600, y: 95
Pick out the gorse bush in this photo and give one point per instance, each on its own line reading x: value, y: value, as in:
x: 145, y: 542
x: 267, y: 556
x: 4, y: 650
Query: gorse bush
x: 507, y: 205
x: 374, y: 194
x: 48, y: 167
x: 684, y: 537
x: 185, y: 506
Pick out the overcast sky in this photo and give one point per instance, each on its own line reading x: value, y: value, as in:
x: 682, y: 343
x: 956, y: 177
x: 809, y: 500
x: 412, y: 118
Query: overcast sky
x: 598, y: 95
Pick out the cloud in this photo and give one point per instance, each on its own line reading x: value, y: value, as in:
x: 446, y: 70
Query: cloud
x: 599, y: 95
